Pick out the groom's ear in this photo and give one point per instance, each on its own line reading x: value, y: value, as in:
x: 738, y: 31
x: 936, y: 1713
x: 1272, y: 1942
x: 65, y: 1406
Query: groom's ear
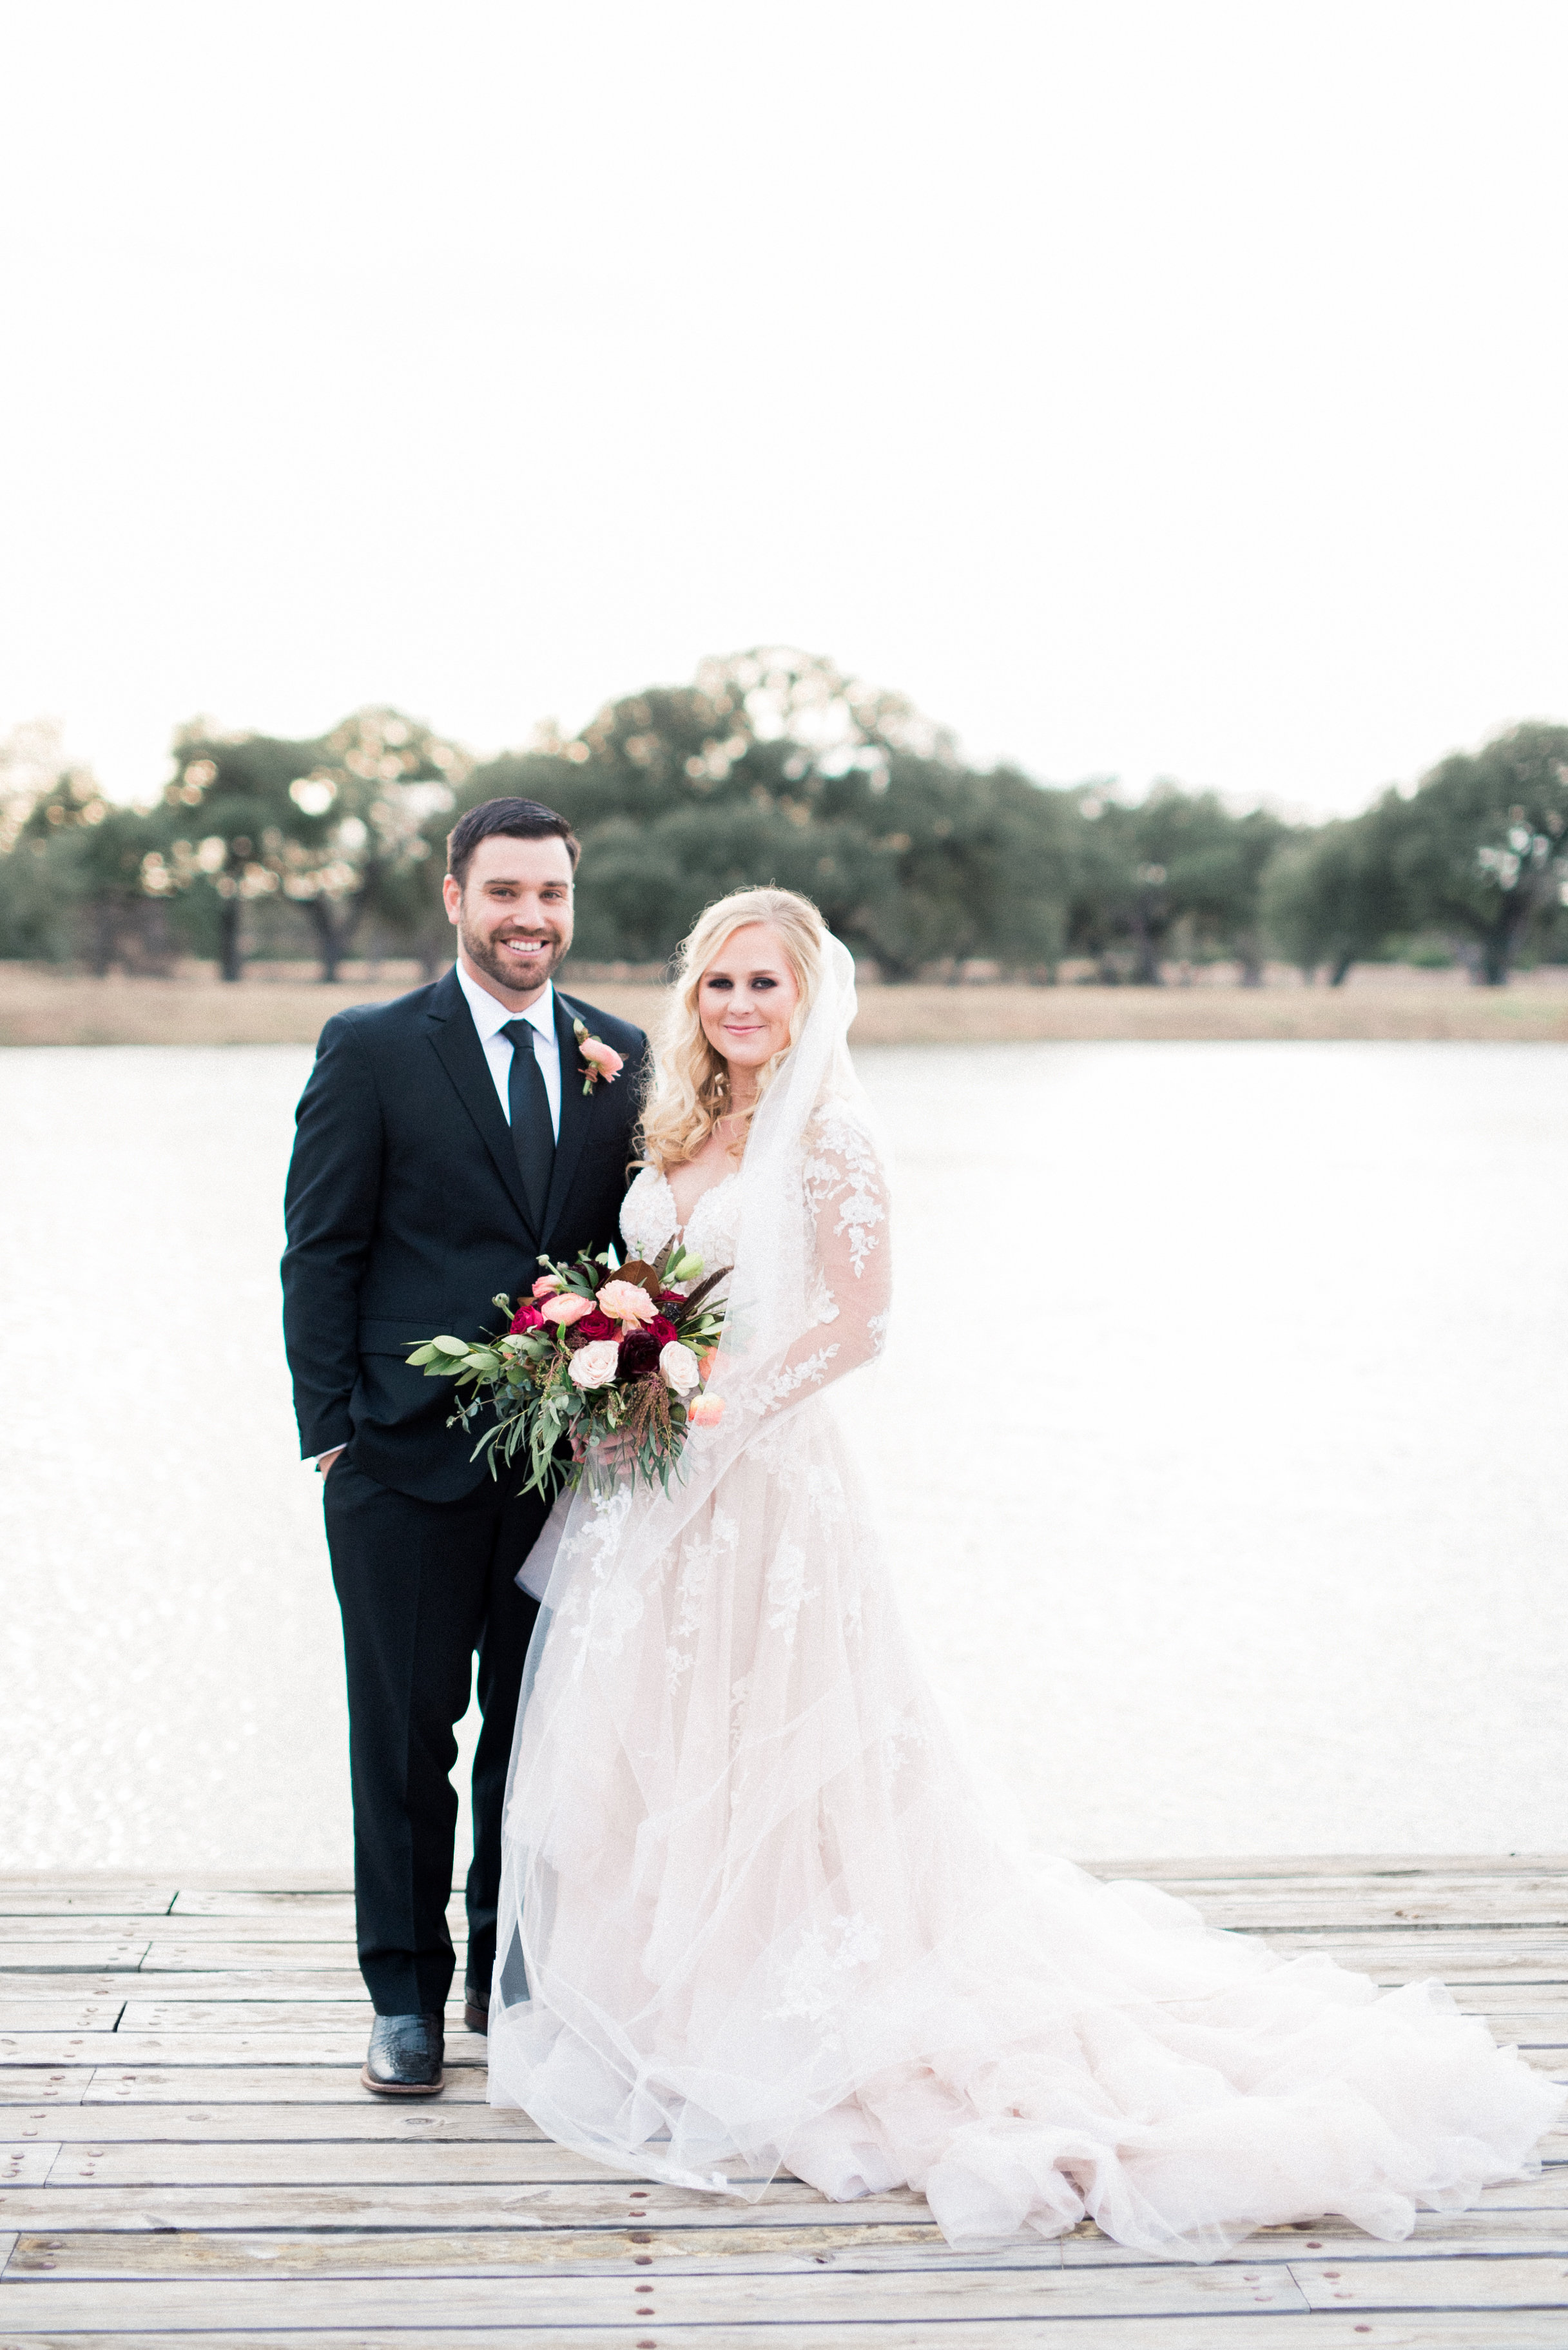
x: 452, y: 896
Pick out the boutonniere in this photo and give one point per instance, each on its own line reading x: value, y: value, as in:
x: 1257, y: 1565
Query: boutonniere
x: 603, y: 1060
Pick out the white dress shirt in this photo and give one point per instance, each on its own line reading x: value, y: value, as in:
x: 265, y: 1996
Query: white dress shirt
x: 490, y: 1017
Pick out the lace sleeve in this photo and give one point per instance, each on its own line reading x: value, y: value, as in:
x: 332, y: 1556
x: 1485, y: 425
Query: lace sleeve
x: 850, y: 1288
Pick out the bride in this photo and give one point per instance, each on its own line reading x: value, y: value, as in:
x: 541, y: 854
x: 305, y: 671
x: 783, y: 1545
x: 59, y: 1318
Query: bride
x: 754, y: 1915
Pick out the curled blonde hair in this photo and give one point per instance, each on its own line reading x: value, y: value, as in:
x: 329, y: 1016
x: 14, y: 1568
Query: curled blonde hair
x: 689, y: 1090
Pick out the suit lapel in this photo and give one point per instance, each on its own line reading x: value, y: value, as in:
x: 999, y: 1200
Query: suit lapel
x: 461, y: 1056
x: 577, y: 1116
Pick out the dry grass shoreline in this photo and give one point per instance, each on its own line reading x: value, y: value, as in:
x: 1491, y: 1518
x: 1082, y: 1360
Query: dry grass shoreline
x: 39, y: 1005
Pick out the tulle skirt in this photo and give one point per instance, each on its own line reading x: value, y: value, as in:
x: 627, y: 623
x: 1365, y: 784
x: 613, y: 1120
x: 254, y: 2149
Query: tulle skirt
x: 756, y: 1917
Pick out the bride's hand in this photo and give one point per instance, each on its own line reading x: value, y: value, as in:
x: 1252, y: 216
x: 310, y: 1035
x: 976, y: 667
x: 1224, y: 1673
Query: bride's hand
x: 616, y: 1450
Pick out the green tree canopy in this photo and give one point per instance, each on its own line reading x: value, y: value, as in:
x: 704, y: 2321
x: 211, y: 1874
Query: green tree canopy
x: 1481, y: 848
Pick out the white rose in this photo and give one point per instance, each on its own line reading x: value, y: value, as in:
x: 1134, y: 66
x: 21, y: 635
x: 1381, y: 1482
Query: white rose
x: 677, y: 1367
x: 595, y: 1364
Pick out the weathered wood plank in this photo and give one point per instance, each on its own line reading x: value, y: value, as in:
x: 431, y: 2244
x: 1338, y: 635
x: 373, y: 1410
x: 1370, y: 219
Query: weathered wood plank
x: 247, y: 1901
x: 1350, y: 1911
x: 28, y: 1935
x: 416, y: 2120
x: 45, y: 2084
x: 210, y: 2048
x: 852, y: 2248
x: 26, y: 2162
x: 102, y: 1954
x: 168, y: 1957
x: 239, y: 2085
x: 355, y: 2162
x: 275, y: 1985
x: 829, y: 2237
x: 1489, y: 2231
x: 545, y: 2210
x: 1431, y: 2329
x: 416, y: 2304
x: 1461, y: 2284
x: 256, y: 1928
x: 242, y: 1912
x: 58, y: 2015
x: 39, y: 1983
x: 300, y: 2016
x: 1269, y: 1868
x: 1526, y: 1962
x: 42, y: 1899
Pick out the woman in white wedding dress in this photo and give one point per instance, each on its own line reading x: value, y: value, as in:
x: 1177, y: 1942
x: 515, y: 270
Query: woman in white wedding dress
x: 755, y: 1917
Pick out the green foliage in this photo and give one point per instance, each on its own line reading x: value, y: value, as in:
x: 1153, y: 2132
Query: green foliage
x: 336, y: 825
x: 1334, y: 897
x: 1481, y: 849
x: 776, y: 766
x: 1175, y: 868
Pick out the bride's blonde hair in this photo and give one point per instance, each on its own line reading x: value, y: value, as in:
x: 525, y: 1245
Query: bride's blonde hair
x: 689, y: 1092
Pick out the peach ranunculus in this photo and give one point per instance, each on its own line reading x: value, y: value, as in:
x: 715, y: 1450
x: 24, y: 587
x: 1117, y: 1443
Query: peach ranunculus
x: 594, y: 1366
x: 547, y: 1284
x: 626, y: 1301
x: 569, y: 1307
x: 706, y: 1411
x: 601, y: 1056
x: 677, y: 1367
x: 705, y: 1362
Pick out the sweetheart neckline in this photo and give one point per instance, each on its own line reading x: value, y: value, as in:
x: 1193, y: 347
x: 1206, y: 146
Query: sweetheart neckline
x: 682, y: 1230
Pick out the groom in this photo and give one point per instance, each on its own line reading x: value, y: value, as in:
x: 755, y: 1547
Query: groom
x: 445, y: 1142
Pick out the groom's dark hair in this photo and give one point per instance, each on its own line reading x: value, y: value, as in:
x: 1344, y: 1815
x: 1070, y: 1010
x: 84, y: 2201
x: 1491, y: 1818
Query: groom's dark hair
x: 519, y: 819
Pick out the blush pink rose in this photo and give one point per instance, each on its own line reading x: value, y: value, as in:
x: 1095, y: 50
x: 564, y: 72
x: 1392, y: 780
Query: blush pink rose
x: 569, y: 1307
x: 595, y: 1365
x: 626, y: 1300
x: 601, y: 1056
x: 706, y: 1412
x: 678, y: 1368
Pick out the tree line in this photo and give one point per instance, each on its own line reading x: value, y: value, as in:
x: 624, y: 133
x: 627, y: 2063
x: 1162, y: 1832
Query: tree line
x: 776, y: 766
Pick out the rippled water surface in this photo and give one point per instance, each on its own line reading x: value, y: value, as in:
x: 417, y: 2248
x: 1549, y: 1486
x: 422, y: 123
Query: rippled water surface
x: 1221, y: 1446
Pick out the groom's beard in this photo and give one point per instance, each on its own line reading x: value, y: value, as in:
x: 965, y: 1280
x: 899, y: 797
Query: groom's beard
x: 486, y: 956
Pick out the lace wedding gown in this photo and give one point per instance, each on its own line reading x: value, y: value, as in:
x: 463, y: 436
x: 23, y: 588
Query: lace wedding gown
x: 755, y: 1918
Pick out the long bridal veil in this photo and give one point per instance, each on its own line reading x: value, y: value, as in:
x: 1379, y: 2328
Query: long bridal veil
x: 755, y: 1915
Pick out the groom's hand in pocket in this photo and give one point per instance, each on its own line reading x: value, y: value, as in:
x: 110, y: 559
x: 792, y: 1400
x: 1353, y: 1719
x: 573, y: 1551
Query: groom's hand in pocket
x: 325, y: 1464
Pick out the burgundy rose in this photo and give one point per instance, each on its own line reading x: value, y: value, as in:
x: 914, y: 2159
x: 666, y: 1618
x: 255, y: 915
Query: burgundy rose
x: 592, y: 1330
x: 527, y: 1317
x: 640, y: 1351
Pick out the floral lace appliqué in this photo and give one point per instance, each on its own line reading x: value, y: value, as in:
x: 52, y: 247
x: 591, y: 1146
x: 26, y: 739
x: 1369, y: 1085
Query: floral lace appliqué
x: 805, y: 1981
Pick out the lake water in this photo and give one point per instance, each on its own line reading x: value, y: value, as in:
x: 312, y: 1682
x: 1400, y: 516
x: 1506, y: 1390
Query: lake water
x: 1258, y: 1547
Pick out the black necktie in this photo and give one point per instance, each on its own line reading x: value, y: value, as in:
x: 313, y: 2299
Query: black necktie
x: 533, y: 1136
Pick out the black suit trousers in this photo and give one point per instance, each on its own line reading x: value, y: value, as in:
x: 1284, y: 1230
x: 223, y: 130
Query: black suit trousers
x: 422, y: 1587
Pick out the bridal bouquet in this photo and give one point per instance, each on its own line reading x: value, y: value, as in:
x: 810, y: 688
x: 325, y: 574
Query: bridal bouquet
x: 599, y: 1351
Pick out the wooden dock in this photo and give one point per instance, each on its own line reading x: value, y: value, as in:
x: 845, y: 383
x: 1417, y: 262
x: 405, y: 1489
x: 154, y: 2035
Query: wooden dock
x: 186, y: 2152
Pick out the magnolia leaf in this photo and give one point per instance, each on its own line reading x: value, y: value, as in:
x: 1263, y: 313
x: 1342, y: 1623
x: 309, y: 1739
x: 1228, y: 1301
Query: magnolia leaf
x: 645, y: 1277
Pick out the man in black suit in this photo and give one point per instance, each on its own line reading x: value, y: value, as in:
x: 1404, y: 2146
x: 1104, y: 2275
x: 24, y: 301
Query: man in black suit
x: 444, y: 1143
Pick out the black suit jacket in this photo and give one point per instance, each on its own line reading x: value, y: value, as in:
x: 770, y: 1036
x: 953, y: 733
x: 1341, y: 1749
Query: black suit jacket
x: 406, y: 1216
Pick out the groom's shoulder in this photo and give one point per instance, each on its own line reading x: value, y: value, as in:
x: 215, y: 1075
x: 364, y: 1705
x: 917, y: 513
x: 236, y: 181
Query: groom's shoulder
x: 379, y: 1025
x: 623, y: 1035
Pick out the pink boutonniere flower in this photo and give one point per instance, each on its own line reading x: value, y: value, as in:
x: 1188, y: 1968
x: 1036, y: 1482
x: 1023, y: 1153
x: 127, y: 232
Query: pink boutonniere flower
x: 602, y: 1059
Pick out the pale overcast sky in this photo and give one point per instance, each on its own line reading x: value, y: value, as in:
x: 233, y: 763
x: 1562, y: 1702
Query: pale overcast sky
x: 1146, y: 389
